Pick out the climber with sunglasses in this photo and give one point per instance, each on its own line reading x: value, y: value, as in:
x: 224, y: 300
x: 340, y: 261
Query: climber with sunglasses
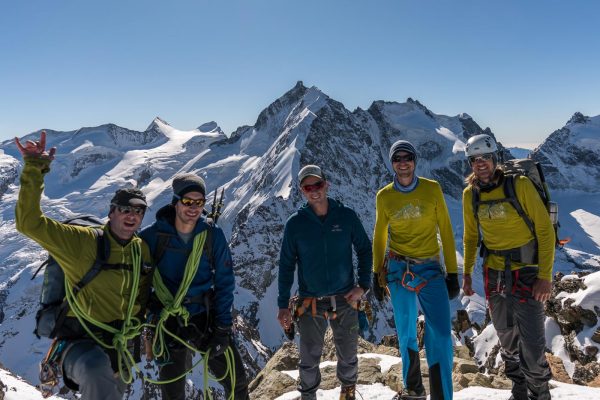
x: 193, y: 293
x: 89, y: 338
x: 318, y: 239
x: 410, y: 212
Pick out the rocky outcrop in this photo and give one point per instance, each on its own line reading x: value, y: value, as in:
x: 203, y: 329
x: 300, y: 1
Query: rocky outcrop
x: 276, y: 378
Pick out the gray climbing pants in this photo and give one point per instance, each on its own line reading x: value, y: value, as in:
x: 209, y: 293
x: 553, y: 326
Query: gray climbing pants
x: 87, y: 366
x: 523, y: 343
x: 312, y: 334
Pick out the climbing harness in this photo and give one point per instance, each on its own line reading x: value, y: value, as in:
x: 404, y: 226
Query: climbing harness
x: 311, y: 302
x: 409, y: 279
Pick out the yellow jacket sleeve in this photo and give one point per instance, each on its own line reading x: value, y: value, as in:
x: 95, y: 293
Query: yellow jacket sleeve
x: 470, y: 232
x: 446, y: 234
x: 380, y: 234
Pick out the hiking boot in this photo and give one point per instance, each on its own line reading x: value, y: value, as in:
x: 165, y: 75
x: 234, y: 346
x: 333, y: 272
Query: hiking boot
x: 408, y: 394
x: 348, y: 393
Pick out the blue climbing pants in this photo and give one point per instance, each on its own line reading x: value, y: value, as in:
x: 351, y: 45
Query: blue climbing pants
x: 428, y: 279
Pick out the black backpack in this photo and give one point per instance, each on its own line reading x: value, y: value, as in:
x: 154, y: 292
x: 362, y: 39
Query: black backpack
x: 532, y: 170
x: 53, y: 304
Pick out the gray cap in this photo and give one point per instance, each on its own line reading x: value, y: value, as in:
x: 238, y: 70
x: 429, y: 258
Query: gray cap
x: 185, y: 183
x: 310, y: 170
x: 129, y: 197
x: 403, y: 145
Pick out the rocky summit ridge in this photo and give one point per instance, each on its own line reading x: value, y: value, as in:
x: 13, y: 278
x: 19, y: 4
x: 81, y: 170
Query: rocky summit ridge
x: 257, y: 168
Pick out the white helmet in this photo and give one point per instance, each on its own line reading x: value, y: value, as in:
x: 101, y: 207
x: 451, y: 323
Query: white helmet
x: 481, y: 144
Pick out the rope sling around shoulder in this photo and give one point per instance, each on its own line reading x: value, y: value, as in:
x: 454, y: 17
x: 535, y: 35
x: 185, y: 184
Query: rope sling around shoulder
x: 130, y: 327
x: 172, y: 307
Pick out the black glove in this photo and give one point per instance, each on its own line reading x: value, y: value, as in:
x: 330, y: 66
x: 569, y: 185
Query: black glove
x: 219, y: 341
x: 378, y: 291
x: 452, y: 285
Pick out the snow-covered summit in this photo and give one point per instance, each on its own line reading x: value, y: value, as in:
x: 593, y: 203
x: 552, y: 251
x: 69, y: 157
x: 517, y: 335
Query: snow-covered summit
x: 257, y: 167
x: 571, y: 155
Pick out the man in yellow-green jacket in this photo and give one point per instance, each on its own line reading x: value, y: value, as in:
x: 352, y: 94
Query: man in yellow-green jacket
x: 113, y: 298
x: 411, y: 211
x: 518, y: 254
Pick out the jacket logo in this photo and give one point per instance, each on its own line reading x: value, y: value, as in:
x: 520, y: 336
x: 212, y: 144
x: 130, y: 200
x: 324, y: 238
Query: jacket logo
x: 493, y: 211
x: 336, y: 228
x: 409, y: 211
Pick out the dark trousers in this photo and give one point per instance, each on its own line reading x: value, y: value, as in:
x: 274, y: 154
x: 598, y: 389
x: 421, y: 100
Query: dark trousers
x: 312, y: 334
x: 87, y: 368
x: 523, y: 343
x: 180, y: 360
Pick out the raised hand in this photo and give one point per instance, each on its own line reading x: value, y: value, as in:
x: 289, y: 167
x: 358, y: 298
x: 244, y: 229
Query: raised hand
x: 36, y: 148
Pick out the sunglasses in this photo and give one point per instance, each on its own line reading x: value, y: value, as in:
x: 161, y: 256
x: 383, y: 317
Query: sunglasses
x: 130, y: 209
x: 400, y: 158
x: 314, y: 187
x: 186, y: 201
x: 482, y: 157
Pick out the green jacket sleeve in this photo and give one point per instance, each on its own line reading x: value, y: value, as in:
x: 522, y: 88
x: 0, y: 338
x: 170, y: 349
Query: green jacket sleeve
x: 68, y: 244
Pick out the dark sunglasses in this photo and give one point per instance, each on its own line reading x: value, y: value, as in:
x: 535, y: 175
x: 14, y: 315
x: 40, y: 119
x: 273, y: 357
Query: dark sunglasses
x: 130, y: 209
x: 482, y: 157
x: 186, y: 201
x: 400, y: 158
x: 314, y: 187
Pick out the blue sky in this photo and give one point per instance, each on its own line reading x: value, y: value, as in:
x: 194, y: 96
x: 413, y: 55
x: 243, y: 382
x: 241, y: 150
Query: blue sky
x: 521, y: 67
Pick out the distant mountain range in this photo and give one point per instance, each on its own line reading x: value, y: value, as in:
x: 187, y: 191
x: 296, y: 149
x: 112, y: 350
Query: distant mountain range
x: 257, y: 167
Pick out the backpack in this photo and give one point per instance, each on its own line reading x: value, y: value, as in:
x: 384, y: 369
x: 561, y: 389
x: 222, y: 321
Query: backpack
x: 53, y: 305
x: 533, y: 170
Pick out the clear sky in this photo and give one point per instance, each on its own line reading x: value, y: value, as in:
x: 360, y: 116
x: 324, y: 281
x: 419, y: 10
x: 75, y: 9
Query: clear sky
x: 521, y: 67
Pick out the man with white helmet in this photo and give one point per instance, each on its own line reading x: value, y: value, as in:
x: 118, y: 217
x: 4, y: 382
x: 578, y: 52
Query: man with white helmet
x: 517, y: 264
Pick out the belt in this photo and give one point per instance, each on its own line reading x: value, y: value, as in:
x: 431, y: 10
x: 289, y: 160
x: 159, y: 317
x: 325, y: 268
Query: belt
x: 411, y: 260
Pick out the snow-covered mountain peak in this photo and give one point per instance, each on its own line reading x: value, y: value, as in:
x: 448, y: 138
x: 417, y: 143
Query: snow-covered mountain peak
x: 578, y: 118
x: 571, y: 155
x: 257, y: 167
x: 210, y: 126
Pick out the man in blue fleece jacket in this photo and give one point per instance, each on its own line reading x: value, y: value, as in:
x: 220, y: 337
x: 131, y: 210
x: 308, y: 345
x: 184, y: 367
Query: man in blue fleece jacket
x: 208, y: 300
x: 319, y: 238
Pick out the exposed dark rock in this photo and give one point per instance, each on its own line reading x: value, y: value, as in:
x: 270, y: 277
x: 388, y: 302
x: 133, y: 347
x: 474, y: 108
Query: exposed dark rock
x: 578, y: 118
x: 596, y: 336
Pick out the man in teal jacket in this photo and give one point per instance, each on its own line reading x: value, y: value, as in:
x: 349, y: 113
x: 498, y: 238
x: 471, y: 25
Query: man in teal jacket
x: 319, y: 238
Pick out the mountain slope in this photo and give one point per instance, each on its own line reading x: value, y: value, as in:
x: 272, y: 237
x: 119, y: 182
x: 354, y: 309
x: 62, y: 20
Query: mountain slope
x: 257, y: 168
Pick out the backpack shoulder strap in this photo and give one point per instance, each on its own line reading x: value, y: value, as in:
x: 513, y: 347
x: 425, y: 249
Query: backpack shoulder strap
x: 475, y: 200
x: 102, y: 254
x: 511, y: 196
x: 162, y: 241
